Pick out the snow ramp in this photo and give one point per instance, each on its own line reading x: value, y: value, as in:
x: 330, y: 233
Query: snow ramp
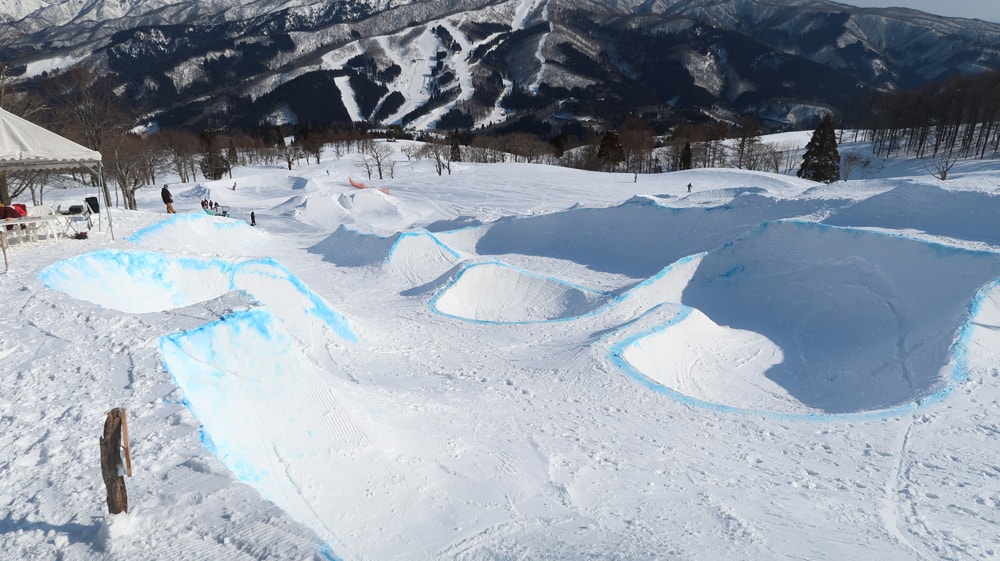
x: 964, y: 215
x: 267, y: 412
x: 417, y: 254
x: 844, y: 321
x: 198, y: 232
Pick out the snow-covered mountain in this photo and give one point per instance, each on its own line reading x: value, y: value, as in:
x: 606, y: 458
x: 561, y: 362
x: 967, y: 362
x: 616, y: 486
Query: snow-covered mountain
x: 465, y: 63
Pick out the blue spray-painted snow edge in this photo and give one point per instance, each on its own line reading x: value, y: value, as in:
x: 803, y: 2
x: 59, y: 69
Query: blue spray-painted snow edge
x: 422, y: 233
x: 226, y: 224
x: 399, y: 238
x: 259, y: 319
x: 611, y: 302
x: 154, y: 263
x: 334, y: 319
x: 147, y: 263
x: 617, y: 352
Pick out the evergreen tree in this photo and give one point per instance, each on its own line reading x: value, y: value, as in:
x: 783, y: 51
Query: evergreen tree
x: 213, y: 164
x: 821, y: 162
x: 232, y: 155
x: 686, y: 162
x: 611, y: 152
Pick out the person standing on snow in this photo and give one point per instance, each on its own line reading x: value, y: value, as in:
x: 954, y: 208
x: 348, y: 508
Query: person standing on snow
x: 253, y: 219
x: 168, y: 199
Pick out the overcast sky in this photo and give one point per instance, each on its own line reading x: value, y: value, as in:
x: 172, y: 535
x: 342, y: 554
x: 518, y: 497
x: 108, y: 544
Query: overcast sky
x: 983, y: 9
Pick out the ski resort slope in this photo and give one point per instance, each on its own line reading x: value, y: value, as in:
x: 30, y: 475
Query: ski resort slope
x: 514, y: 362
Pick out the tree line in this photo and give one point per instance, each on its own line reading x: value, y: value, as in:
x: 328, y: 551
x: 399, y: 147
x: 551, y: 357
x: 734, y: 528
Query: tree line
x: 83, y: 106
x: 958, y: 118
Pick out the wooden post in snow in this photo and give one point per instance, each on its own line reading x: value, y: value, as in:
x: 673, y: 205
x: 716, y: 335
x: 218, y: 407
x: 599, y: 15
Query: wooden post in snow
x: 111, y: 461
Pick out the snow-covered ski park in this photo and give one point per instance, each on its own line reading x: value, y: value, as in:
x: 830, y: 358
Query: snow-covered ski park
x: 513, y: 362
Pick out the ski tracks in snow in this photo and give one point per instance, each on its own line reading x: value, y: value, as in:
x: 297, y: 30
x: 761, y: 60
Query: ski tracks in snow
x: 895, y: 495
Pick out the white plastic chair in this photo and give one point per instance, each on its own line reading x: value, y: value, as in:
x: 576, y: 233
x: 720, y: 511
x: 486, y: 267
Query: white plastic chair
x: 46, y: 228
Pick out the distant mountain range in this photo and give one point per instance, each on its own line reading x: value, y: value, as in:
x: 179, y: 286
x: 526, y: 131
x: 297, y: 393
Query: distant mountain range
x: 548, y: 64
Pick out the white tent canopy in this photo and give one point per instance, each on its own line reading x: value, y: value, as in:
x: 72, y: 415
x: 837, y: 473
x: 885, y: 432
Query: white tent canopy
x: 25, y: 145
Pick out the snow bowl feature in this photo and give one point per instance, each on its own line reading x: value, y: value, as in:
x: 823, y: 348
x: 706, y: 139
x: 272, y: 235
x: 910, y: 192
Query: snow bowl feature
x: 147, y: 281
x: 495, y: 292
x: 799, y: 318
x: 144, y: 281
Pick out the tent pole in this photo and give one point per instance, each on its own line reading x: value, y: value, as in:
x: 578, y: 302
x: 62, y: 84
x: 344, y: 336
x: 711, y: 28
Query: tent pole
x: 100, y: 179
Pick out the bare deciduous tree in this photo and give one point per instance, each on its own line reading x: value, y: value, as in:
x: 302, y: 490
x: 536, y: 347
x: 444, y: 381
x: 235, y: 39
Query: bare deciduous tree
x: 941, y: 163
x: 411, y: 151
x: 638, y: 140
x: 379, y: 153
x: 291, y: 153
x: 852, y: 161
x: 87, y: 109
x: 366, y: 164
x: 181, y: 147
x: 790, y: 157
x: 312, y: 145
x: 130, y: 164
x: 440, y: 154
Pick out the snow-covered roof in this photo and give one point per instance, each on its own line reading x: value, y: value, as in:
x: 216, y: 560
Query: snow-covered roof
x: 25, y: 145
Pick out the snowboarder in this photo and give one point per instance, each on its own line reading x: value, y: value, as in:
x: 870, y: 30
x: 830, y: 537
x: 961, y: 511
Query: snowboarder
x: 234, y: 185
x: 253, y: 219
x: 689, y: 187
x: 168, y: 199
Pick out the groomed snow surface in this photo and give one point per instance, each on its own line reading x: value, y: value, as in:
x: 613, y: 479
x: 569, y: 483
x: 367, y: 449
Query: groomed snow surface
x: 514, y: 362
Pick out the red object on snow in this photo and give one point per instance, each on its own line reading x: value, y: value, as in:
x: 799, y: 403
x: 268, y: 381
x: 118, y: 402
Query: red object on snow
x: 16, y: 210
x: 13, y: 211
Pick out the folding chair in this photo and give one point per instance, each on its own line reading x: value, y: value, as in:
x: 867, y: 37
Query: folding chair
x: 78, y: 221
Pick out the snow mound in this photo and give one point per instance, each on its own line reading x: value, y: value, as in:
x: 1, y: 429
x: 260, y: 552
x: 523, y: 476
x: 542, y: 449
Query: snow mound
x: 419, y: 254
x: 863, y: 320
x: 293, y: 205
x: 667, y: 286
x: 347, y: 247
x: 708, y: 363
x: 498, y: 293
x: 321, y: 209
x: 723, y: 195
x: 198, y: 192
x: 198, y: 232
x: 374, y: 208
